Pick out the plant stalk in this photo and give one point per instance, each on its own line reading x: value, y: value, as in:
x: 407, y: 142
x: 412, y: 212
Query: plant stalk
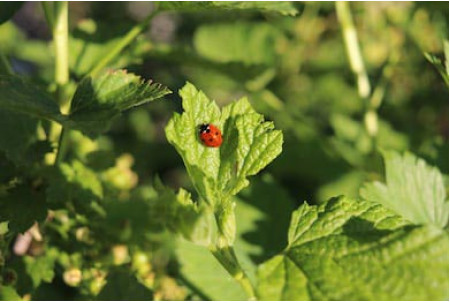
x: 61, y: 41
x: 357, y: 65
x: 58, y: 16
x: 125, y: 41
x: 227, y: 258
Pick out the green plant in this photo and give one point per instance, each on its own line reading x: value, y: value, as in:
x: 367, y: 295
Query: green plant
x: 88, y: 161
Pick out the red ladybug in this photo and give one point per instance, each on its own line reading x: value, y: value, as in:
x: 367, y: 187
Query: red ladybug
x: 210, y: 135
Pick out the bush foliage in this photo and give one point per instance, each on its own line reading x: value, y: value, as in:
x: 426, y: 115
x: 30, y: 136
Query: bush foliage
x: 331, y: 182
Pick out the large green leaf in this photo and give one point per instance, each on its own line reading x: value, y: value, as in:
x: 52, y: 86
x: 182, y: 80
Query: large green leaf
x: 99, y: 100
x: 249, y: 43
x: 20, y: 96
x: 413, y: 189
x: 281, y: 7
x: 356, y: 250
x: 208, y: 278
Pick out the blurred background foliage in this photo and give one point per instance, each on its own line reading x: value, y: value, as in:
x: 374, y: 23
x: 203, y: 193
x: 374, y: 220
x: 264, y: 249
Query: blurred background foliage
x: 295, y: 71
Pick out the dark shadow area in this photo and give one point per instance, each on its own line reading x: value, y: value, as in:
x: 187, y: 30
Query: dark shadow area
x: 363, y: 231
x: 276, y: 205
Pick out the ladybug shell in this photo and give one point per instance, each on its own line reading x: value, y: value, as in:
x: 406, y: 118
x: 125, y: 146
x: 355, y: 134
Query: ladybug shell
x: 210, y: 135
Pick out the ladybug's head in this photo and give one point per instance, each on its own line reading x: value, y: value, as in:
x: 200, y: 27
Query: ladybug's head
x: 204, y: 128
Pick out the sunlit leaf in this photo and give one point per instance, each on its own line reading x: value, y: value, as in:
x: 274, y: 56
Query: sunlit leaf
x: 209, y: 278
x: 413, y: 189
x: 354, y: 250
x: 249, y: 144
x: 99, y: 100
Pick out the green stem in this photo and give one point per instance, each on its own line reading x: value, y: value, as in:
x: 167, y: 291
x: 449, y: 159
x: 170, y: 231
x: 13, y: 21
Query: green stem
x: 357, y: 65
x: 127, y: 39
x: 48, y: 13
x: 227, y: 258
x: 60, y: 22
x: 352, y: 47
x: 61, y: 41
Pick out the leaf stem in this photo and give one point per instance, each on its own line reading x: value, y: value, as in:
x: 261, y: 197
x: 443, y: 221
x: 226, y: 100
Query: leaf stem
x: 127, y: 39
x: 227, y: 258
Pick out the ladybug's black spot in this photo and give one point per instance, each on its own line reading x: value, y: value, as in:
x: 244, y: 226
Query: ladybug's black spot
x: 204, y: 128
x: 210, y: 140
x: 217, y: 133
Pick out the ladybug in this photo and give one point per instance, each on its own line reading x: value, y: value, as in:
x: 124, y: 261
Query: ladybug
x: 210, y: 135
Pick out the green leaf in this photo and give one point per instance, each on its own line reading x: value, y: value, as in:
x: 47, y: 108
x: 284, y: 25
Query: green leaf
x: 440, y: 65
x: 352, y: 141
x: 259, y: 222
x: 8, y: 293
x: 121, y: 285
x: 8, y: 9
x: 205, y: 275
x: 19, y: 96
x: 92, y: 40
x: 249, y: 144
x: 413, y: 189
x: 249, y: 43
x: 75, y: 185
x: 15, y: 144
x: 356, y: 250
x: 180, y: 214
x: 99, y: 100
x: 281, y: 7
x: 21, y: 207
x: 41, y: 268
